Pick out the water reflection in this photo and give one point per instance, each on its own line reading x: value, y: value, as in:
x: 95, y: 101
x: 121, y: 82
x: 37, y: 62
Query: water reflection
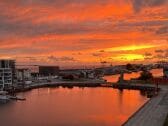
x: 72, y: 107
x: 128, y: 76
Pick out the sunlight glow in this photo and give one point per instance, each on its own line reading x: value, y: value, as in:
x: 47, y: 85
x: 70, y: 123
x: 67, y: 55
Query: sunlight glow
x: 129, y: 57
x: 130, y: 48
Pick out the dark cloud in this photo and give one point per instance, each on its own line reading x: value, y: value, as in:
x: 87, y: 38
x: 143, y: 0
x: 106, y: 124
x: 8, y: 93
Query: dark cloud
x: 162, y: 30
x: 19, y: 18
x: 140, y: 4
x: 49, y: 58
x: 159, y: 51
x: 61, y: 59
x: 22, y: 25
x: 96, y: 54
x: 156, y: 22
x: 102, y: 51
x: 160, y: 56
x: 148, y: 54
x: 78, y: 53
x: 66, y: 2
x: 23, y: 50
x: 149, y: 58
x: 166, y: 54
x: 26, y: 28
x: 53, y: 3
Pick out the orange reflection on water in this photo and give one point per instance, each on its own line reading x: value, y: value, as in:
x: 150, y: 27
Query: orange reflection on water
x: 128, y: 76
x: 72, y: 107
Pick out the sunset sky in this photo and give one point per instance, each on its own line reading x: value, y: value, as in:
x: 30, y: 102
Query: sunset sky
x: 84, y: 32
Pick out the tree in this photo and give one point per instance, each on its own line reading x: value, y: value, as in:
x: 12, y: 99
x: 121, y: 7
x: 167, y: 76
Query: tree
x: 129, y: 66
x: 145, y: 75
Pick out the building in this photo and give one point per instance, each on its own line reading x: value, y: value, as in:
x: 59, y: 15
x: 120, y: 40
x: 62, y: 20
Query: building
x: 48, y: 70
x: 7, y: 73
x: 23, y: 74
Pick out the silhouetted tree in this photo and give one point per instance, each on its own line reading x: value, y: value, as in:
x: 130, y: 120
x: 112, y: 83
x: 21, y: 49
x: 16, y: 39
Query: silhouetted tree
x: 129, y: 66
x: 145, y: 75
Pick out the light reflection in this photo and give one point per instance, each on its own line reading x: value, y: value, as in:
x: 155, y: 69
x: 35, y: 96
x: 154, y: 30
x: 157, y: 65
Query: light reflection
x: 77, y: 106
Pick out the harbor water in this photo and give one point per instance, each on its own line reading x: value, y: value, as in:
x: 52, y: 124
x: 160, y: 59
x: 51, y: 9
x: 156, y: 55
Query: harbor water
x: 128, y: 76
x: 72, y: 107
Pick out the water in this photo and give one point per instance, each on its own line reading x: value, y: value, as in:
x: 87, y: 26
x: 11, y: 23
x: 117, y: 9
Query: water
x: 72, y: 107
x: 127, y: 76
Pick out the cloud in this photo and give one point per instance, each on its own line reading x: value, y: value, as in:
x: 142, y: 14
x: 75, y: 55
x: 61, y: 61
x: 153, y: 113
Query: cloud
x: 148, y: 54
x: 162, y: 30
x: 138, y: 5
x: 96, y: 54
x: 159, y: 51
x: 60, y: 29
x: 160, y: 56
x: 102, y: 51
x: 62, y: 59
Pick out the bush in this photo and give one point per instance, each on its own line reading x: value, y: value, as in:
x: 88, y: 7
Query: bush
x: 146, y: 75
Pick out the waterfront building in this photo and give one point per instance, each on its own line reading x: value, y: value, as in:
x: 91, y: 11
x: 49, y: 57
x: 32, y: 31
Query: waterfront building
x: 48, y: 70
x: 7, y: 73
x: 23, y: 74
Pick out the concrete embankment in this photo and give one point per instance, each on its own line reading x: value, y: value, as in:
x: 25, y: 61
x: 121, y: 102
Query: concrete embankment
x: 153, y: 113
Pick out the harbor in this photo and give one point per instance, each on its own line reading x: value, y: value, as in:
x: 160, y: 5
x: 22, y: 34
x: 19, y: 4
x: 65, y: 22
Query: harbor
x: 148, y: 82
x: 83, y: 62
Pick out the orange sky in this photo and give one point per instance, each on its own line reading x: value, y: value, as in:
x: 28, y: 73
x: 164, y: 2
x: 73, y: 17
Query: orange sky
x: 84, y: 32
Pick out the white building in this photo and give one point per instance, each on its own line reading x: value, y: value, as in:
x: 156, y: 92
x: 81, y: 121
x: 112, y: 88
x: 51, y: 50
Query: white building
x: 7, y: 68
x: 23, y: 74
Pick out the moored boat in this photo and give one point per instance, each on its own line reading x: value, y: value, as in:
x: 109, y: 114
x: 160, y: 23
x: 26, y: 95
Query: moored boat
x: 4, y: 98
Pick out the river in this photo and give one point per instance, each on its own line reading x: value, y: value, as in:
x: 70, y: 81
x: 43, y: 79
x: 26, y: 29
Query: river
x: 128, y: 76
x: 72, y: 107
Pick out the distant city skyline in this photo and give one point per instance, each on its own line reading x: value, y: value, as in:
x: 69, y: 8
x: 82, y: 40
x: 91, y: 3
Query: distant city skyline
x: 84, y: 32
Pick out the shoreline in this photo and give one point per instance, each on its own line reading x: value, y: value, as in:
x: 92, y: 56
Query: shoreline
x: 56, y: 84
x: 156, y: 109
x: 71, y: 84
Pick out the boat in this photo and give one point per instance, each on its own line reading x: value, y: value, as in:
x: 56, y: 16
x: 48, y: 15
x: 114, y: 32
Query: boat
x: 17, y: 98
x: 4, y: 98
